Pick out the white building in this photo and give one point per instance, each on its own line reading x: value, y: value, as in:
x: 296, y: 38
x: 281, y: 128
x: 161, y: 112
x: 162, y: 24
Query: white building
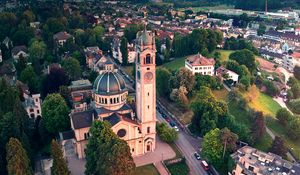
x: 221, y: 72
x: 290, y: 61
x: 19, y: 51
x: 32, y: 105
x: 200, y: 64
x: 117, y: 54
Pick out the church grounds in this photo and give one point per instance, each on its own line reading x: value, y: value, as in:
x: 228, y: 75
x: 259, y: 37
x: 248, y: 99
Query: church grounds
x: 146, y: 170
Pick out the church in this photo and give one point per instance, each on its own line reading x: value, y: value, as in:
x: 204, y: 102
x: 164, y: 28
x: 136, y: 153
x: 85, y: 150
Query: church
x: 133, y: 122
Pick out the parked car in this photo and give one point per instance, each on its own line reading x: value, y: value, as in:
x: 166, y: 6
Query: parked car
x: 197, y: 156
x: 167, y: 119
x: 172, y: 124
x: 204, y: 165
x: 176, y: 128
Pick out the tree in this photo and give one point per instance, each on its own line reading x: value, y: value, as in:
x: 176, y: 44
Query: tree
x: 295, y: 105
x: 259, y: 126
x: 56, y: 78
x: 297, y: 72
x: 106, y: 153
x: 29, y: 77
x: 283, y: 115
x: 228, y: 140
x: 162, y: 78
x: 279, y: 146
x: 261, y: 30
x: 16, y: 157
x: 131, y: 31
x: 186, y: 79
x: 245, y: 81
x: 37, y: 49
x: 244, y: 57
x: 271, y: 89
x: 124, y: 51
x: 59, y: 166
x: 295, y: 88
x: 55, y: 113
x: 166, y: 134
x: 72, y: 66
x: 212, y: 147
x: 294, y: 129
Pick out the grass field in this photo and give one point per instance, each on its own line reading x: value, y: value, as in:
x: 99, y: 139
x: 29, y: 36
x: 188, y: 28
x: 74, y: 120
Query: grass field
x: 175, y: 64
x: 224, y: 54
x: 261, y: 102
x: 146, y: 170
x: 264, y: 143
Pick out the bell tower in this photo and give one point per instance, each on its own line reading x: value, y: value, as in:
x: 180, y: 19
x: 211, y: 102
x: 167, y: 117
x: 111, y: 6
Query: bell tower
x: 146, y: 87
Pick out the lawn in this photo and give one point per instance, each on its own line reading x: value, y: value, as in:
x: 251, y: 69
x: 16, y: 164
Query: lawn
x: 179, y: 168
x: 146, y: 170
x: 221, y: 94
x: 261, y: 102
x: 264, y: 143
x: 175, y: 64
x: 224, y: 54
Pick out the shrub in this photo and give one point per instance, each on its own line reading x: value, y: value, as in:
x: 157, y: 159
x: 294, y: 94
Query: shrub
x: 295, y: 105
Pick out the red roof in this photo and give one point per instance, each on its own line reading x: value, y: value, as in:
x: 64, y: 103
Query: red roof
x: 199, y: 60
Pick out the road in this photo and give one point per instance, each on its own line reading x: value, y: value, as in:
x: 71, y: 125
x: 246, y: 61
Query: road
x: 188, y: 146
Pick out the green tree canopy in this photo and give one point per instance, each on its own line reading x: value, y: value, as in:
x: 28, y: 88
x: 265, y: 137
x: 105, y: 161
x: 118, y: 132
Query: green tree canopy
x: 124, y: 51
x: 162, y: 81
x: 244, y: 57
x: 283, y: 115
x: 297, y: 72
x: 59, y: 166
x: 166, y: 133
x: 55, y: 113
x: 106, y: 153
x: 17, y: 160
x: 29, y: 77
x: 212, y: 147
x: 72, y: 66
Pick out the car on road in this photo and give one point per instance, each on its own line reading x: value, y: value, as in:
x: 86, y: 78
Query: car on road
x: 172, y: 124
x: 176, y: 128
x: 204, y: 165
x: 197, y: 156
x: 167, y: 119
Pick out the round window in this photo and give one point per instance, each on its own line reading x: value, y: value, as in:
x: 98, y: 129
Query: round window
x: 121, y: 133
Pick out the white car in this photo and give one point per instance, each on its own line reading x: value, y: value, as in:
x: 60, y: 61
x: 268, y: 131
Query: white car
x: 176, y: 128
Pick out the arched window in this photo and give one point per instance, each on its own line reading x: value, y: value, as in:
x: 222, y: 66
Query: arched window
x: 105, y: 100
x: 111, y: 101
x: 148, y: 59
x: 115, y: 100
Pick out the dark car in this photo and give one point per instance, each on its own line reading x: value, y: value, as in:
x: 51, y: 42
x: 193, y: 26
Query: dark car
x: 172, y: 123
x: 167, y: 119
x: 197, y: 156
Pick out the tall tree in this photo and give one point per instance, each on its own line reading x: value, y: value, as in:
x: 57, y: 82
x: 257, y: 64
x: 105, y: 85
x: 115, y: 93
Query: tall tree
x: 166, y: 133
x: 124, y: 51
x: 259, y: 126
x: 55, y: 113
x: 244, y: 57
x: 29, y: 77
x: 229, y: 140
x: 106, y: 153
x: 162, y: 79
x: 279, y: 146
x: 212, y: 147
x: 283, y: 115
x: 72, y: 66
x: 297, y: 72
x: 17, y: 160
x: 59, y: 166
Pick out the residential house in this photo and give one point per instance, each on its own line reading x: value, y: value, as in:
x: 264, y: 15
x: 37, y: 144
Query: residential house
x: 18, y: 52
x: 32, y: 105
x: 8, y: 72
x: 61, y: 38
x: 117, y: 54
x: 92, y: 56
x: 200, y: 64
x: 250, y: 161
x: 226, y: 74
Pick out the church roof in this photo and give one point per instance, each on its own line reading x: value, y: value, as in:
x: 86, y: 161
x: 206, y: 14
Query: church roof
x: 109, y: 83
x: 82, y: 119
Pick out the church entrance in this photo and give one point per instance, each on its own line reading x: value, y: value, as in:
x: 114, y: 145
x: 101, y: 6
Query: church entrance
x: 148, y: 148
x: 149, y: 145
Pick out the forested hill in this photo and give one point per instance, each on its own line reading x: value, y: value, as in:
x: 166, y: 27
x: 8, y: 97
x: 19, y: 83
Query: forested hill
x: 241, y: 4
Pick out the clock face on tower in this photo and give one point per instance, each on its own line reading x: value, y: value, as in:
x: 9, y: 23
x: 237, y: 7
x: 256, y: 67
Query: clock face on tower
x: 148, y: 76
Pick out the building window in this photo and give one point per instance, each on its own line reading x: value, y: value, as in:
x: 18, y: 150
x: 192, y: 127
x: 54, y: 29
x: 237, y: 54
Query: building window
x: 118, y: 100
x: 148, y: 59
x: 148, y: 129
x: 86, y: 136
x: 140, y: 141
x: 251, y: 168
x: 37, y: 100
x: 111, y: 100
x: 38, y: 111
x: 30, y: 110
x: 105, y: 100
x: 148, y: 94
x: 138, y: 58
x: 132, y: 149
x: 148, y: 68
x: 148, y: 106
x: 115, y: 100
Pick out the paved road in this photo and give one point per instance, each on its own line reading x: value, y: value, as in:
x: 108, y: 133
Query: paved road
x: 187, y: 148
